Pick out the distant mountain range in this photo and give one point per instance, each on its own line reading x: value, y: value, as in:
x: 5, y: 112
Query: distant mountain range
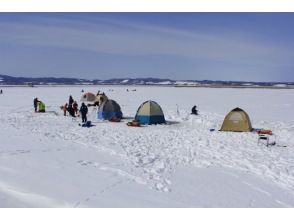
x: 28, y: 81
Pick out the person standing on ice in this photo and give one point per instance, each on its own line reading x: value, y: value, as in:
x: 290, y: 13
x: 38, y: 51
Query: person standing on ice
x: 75, y: 108
x: 36, y: 104
x: 65, y: 108
x: 70, y: 101
x: 84, y: 111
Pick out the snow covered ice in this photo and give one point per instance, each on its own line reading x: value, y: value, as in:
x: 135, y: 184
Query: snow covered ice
x: 47, y: 160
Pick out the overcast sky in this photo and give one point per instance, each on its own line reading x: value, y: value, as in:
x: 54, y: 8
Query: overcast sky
x: 198, y: 46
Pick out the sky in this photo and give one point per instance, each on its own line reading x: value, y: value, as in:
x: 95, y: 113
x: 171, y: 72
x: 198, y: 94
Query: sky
x: 179, y: 46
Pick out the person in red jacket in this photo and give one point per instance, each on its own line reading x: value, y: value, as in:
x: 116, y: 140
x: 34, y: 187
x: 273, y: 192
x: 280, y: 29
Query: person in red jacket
x: 75, y: 108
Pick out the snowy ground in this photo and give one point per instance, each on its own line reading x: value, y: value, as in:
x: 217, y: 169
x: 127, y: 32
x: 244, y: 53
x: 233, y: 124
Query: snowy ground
x: 47, y: 160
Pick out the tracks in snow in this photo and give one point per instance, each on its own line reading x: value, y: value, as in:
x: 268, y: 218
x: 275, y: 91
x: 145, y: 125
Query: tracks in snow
x: 151, y: 154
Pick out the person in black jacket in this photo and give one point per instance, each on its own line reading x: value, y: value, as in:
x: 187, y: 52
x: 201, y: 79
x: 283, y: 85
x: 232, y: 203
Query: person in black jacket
x: 71, y: 111
x: 194, y: 110
x: 36, y: 101
x: 70, y: 100
x: 84, y: 111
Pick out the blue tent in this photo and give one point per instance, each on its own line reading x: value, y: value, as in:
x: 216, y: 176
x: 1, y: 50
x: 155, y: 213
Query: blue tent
x: 109, y: 110
x: 150, y: 113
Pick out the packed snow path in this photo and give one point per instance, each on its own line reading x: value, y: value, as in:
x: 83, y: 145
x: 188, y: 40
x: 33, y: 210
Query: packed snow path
x: 150, y: 155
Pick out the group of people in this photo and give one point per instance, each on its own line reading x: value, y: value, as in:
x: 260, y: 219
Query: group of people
x: 39, y: 106
x: 72, y: 108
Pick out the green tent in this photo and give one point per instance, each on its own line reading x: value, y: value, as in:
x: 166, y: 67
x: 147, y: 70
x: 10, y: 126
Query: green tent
x: 236, y: 120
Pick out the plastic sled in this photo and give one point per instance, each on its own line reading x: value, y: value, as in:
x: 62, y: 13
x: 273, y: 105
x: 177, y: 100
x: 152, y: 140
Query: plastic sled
x: 134, y: 124
x: 114, y: 119
x: 263, y: 131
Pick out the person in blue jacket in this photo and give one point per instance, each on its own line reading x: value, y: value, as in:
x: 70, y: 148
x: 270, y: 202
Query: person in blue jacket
x: 84, y: 112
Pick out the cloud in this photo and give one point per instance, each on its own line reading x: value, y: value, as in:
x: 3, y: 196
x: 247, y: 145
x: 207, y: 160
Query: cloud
x: 135, y: 39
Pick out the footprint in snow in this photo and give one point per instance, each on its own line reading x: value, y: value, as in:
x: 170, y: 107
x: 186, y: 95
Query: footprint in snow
x: 84, y: 163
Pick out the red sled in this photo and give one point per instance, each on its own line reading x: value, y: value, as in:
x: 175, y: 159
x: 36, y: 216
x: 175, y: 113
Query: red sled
x: 269, y: 132
x: 114, y: 119
x: 134, y: 124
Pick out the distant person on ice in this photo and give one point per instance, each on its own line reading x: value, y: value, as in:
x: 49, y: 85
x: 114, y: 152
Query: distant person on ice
x: 75, y: 108
x: 36, y: 104
x: 194, y: 110
x: 70, y: 101
x: 71, y: 111
x: 84, y: 111
x: 1, y: 91
x: 70, y: 107
x: 65, y: 108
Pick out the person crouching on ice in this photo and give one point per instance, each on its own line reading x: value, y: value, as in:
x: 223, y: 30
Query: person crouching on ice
x: 84, y: 111
x: 194, y: 111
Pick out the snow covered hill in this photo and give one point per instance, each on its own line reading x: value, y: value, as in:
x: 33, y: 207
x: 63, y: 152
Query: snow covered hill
x: 52, y: 81
x: 47, y: 160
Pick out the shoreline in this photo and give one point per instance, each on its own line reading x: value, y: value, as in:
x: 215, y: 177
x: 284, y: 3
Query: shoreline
x: 234, y: 87
x: 176, y: 86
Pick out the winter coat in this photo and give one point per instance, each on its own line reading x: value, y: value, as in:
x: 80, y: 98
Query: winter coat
x: 36, y: 102
x: 75, y: 106
x: 70, y: 101
x: 84, y: 109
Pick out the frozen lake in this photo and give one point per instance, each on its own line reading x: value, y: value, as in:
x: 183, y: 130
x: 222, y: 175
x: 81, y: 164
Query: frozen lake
x: 47, y: 160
